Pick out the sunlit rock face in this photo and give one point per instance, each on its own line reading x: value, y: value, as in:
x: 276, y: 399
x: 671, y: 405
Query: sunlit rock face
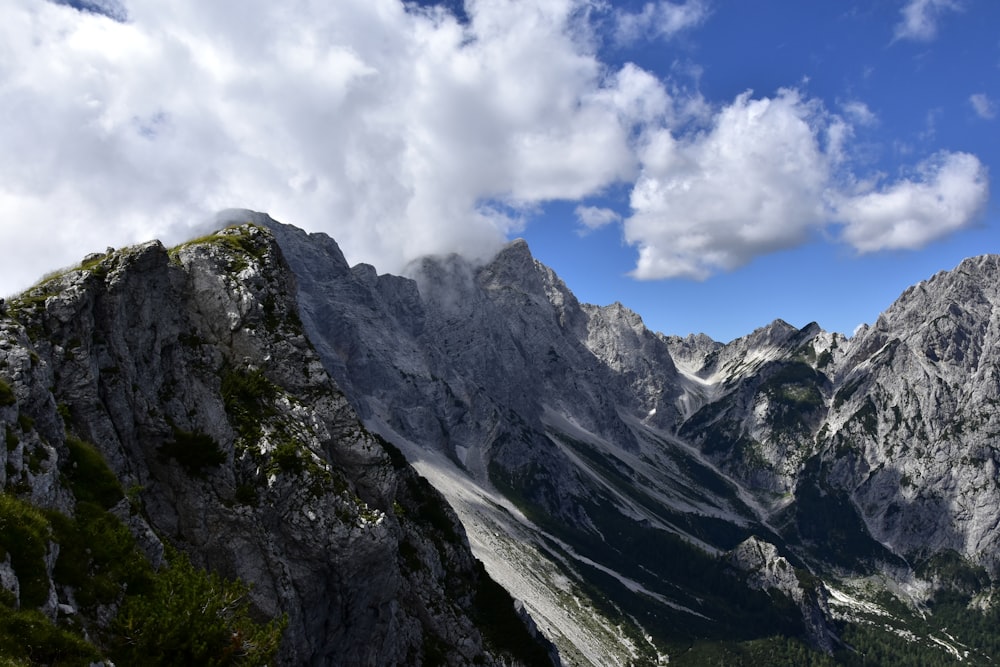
x: 915, y: 417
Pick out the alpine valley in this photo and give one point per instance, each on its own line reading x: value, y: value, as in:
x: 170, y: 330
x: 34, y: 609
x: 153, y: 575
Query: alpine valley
x: 243, y: 450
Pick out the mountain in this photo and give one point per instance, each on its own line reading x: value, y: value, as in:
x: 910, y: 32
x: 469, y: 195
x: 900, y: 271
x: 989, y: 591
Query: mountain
x: 164, y: 407
x: 792, y: 497
x: 632, y: 487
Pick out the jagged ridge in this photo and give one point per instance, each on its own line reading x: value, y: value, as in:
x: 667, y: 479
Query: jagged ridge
x: 189, y: 371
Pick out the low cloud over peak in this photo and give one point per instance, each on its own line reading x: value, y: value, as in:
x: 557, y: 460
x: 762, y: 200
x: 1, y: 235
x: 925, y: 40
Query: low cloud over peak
x: 403, y: 131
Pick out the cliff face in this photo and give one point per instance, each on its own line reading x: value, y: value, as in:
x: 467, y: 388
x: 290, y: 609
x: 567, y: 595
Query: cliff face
x: 915, y: 418
x: 190, y: 373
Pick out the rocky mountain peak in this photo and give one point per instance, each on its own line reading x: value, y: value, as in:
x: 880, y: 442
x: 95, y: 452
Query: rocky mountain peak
x: 185, y: 376
x: 514, y: 268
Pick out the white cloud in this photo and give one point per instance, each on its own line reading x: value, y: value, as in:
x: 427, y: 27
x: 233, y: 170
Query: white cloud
x: 920, y: 18
x: 593, y: 217
x: 402, y: 131
x: 947, y: 193
x: 398, y: 130
x: 767, y: 175
x: 984, y: 107
x: 659, y: 20
x: 859, y: 113
x: 754, y: 183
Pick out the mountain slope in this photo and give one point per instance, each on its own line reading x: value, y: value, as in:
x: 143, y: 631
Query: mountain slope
x: 547, y: 424
x: 189, y: 372
x: 792, y: 497
x: 587, y: 454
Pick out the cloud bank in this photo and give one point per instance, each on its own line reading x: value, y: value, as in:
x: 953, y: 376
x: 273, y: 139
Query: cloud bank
x: 403, y: 131
x: 769, y: 174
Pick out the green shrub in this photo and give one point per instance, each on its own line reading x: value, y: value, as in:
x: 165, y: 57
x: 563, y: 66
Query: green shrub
x: 25, y: 535
x: 7, y: 396
x: 98, y: 557
x: 192, y: 617
x: 11, y: 439
x: 247, y: 395
x: 287, y: 458
x: 90, y: 478
x: 246, y: 494
x: 193, y: 451
x: 27, y: 637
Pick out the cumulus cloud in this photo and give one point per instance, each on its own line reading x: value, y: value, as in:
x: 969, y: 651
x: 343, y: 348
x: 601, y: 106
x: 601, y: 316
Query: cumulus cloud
x: 399, y: 130
x: 919, y: 20
x: 984, y: 107
x: 768, y: 174
x: 403, y: 130
x: 659, y: 20
x: 753, y: 183
x: 947, y: 192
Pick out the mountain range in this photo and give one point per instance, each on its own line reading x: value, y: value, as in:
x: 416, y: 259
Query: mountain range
x: 371, y: 455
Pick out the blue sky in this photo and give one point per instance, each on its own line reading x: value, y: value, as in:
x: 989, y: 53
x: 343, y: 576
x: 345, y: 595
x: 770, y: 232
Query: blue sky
x: 712, y: 164
x: 919, y: 89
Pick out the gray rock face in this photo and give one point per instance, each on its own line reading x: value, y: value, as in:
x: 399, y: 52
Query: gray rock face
x: 915, y: 417
x: 897, y: 422
x: 527, y: 391
x: 632, y: 489
x: 767, y: 570
x: 149, y: 353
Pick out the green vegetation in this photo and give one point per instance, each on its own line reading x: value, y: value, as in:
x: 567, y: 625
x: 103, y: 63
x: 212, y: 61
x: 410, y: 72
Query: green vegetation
x: 798, y: 384
x: 844, y: 394
x: 96, y: 265
x: 273, y: 319
x: 771, y: 651
x: 795, y: 391
x: 824, y: 515
x: 7, y: 396
x: 954, y: 572
x: 236, y: 238
x: 27, y: 637
x: 662, y: 562
x: 192, y: 617
x: 246, y: 494
x: 25, y: 422
x: 90, y: 478
x: 248, y: 396
x: 98, y: 557
x: 179, y: 616
x: 24, y: 536
x: 193, y: 451
x: 288, y: 458
x: 867, y: 417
